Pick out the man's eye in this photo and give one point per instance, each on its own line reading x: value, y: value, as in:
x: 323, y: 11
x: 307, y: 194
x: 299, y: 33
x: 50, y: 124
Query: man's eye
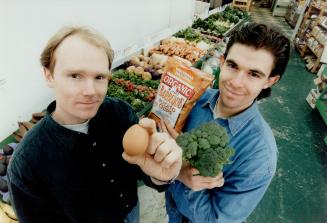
x: 100, y: 77
x: 74, y: 76
x: 253, y: 74
x: 231, y: 65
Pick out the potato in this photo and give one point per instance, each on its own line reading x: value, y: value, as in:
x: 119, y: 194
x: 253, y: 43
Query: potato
x: 139, y: 71
x: 146, y: 76
x: 135, y: 60
x: 131, y: 69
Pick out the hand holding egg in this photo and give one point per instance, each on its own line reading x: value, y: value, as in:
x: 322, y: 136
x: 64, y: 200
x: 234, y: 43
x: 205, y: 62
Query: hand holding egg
x: 161, y: 158
x: 136, y: 140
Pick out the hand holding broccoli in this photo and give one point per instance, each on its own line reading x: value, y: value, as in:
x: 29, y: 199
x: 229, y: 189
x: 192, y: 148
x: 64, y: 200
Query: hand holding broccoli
x: 190, y: 177
x: 206, y: 148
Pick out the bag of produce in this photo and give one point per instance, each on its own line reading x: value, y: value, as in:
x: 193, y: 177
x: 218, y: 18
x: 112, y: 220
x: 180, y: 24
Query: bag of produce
x: 180, y: 87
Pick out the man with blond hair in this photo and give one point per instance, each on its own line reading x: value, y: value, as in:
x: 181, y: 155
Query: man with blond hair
x: 71, y: 166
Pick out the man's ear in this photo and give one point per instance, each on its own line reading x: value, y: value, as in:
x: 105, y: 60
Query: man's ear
x: 48, y: 77
x: 271, y: 81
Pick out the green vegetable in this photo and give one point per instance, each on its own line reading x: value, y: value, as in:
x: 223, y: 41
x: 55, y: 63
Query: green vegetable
x: 221, y: 22
x: 137, y: 104
x: 189, y: 34
x: 216, y: 73
x: 206, y: 148
x: 123, y: 74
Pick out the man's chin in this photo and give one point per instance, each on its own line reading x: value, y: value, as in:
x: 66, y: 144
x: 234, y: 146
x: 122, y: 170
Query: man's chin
x: 87, y: 115
x: 230, y: 103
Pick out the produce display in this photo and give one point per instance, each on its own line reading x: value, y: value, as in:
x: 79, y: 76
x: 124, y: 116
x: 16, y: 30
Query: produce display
x: 154, y: 64
x: 206, y: 148
x: 180, y: 48
x: 220, y: 23
x: 135, y: 87
x: 196, y: 36
x: 199, y: 46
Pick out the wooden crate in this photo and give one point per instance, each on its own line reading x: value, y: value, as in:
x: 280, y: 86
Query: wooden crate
x: 242, y: 4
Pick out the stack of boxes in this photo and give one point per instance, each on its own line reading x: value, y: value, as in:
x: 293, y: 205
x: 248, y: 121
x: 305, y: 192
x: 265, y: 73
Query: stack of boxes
x: 293, y: 11
x: 318, y: 95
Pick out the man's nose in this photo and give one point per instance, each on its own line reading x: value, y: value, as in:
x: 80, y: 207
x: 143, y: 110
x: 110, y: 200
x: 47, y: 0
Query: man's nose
x: 89, y: 87
x: 238, y: 79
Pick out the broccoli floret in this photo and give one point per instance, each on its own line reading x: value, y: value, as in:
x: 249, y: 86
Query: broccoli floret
x: 192, y: 150
x: 198, y: 133
x: 204, y: 143
x: 183, y: 141
x: 209, y: 168
x: 213, y: 140
x: 206, y: 148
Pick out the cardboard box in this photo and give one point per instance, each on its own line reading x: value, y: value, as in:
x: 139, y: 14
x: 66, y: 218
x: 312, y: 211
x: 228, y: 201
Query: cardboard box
x: 312, y: 97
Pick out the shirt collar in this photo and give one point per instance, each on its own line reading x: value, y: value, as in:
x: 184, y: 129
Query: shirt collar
x: 66, y: 136
x: 237, y: 122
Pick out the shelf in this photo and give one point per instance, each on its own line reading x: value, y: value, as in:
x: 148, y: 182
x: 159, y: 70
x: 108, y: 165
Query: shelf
x: 315, y: 6
x: 323, y: 44
x: 280, y: 7
x: 299, y: 49
x: 318, y: 7
x: 305, y: 32
x: 323, y: 26
x: 321, y: 102
x: 302, y: 32
x: 242, y: 4
x: 321, y: 105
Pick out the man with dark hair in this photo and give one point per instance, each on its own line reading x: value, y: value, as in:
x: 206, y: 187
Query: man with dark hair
x: 274, y: 42
x: 255, y: 59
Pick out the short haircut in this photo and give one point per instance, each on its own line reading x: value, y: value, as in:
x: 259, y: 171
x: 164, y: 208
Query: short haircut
x: 47, y: 56
x: 262, y: 36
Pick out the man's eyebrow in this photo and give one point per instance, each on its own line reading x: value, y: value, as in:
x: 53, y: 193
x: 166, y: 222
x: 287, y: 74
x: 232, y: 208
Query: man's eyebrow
x: 259, y: 72
x: 77, y: 71
x: 70, y: 71
x: 231, y: 61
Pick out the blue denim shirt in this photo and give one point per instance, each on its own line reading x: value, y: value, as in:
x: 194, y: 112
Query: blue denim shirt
x: 246, y: 178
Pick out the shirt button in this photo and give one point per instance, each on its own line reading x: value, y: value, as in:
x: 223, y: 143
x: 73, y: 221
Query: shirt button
x: 103, y: 165
x: 121, y: 195
x: 127, y: 205
x: 112, y: 180
x: 94, y: 144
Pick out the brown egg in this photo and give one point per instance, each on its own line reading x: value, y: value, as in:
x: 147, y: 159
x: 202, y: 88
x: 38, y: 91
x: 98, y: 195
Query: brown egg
x: 135, y: 140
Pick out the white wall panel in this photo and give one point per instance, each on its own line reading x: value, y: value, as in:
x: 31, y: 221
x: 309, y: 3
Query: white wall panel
x: 26, y: 26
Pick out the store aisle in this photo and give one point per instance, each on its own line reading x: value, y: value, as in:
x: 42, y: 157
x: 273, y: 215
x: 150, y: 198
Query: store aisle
x: 298, y: 192
x: 265, y: 15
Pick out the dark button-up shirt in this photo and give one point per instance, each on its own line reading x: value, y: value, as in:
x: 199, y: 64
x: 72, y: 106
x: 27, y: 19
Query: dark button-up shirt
x: 60, y: 175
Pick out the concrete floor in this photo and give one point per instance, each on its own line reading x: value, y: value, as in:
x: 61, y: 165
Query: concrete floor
x: 152, y: 205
